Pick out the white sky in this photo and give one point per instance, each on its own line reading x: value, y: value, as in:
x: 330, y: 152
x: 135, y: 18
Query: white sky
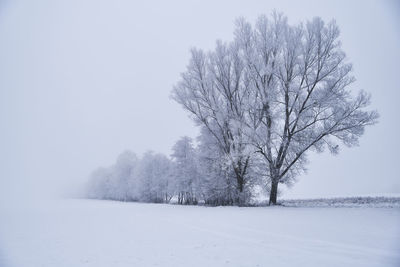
x: 81, y: 81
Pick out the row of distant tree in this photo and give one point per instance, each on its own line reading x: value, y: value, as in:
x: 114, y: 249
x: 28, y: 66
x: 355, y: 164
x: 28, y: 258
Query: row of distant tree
x: 192, y: 174
x: 263, y: 101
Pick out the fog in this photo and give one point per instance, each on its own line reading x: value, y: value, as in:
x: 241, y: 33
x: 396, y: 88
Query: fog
x: 81, y: 81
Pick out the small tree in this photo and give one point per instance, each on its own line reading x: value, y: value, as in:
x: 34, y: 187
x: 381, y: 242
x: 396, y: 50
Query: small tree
x: 99, y: 184
x: 185, y: 171
x: 153, y: 178
x: 122, y: 175
x: 217, y: 178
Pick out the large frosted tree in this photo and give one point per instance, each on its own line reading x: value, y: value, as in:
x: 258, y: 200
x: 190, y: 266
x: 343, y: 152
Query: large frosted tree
x: 213, y: 91
x: 283, y: 89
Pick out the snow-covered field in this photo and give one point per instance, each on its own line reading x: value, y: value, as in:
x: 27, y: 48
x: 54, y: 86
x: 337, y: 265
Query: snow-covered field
x: 346, y: 202
x: 106, y: 233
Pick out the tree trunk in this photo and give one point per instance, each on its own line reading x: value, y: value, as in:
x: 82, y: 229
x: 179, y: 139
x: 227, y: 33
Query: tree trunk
x: 239, y: 179
x: 274, y: 192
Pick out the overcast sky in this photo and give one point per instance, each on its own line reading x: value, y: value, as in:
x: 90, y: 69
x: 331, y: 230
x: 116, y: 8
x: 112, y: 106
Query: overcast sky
x: 81, y: 81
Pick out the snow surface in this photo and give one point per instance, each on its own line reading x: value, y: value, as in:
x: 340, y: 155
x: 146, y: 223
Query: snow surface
x: 349, y: 202
x: 108, y: 233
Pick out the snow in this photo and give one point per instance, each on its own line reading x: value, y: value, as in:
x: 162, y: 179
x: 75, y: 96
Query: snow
x: 350, y: 202
x: 79, y: 232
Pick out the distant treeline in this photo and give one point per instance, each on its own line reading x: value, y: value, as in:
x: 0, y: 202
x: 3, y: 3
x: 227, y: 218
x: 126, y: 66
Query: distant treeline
x: 191, y: 175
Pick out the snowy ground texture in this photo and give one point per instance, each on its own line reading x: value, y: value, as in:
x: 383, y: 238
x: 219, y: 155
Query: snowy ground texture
x: 107, y: 233
x: 349, y: 202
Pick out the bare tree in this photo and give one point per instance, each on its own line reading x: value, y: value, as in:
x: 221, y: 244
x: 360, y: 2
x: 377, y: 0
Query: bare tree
x: 185, y: 171
x: 301, y: 98
x: 213, y: 91
x: 284, y: 89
